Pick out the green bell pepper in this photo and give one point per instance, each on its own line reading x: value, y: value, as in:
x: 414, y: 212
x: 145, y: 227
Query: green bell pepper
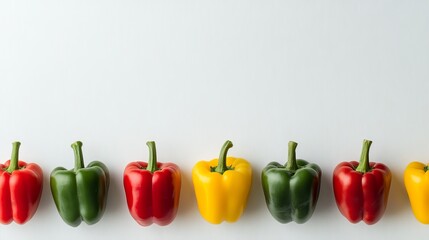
x: 80, y: 193
x: 291, y: 190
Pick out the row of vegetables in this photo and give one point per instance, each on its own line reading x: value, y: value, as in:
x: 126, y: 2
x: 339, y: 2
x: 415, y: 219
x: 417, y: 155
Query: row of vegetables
x: 221, y: 187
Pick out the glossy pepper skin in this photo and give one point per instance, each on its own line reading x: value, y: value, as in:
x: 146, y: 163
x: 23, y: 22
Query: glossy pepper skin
x: 20, y: 189
x: 291, y: 190
x: 152, y: 190
x: 416, y: 179
x: 222, y: 186
x: 362, y: 189
x: 80, y: 194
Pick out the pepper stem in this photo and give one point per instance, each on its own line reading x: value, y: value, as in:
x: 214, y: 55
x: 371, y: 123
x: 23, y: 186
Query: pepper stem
x: 151, y: 166
x: 363, y: 166
x: 13, y: 165
x: 221, y: 165
x: 291, y: 161
x: 426, y: 168
x: 78, y: 156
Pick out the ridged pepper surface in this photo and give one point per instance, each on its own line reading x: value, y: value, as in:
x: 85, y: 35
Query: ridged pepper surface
x: 222, y: 186
x: 152, y: 190
x: 20, y: 189
x: 80, y: 194
x: 291, y: 190
x: 362, y: 189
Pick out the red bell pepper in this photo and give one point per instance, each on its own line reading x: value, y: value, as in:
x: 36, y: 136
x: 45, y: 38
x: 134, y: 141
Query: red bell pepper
x: 152, y: 190
x: 362, y: 189
x: 20, y: 189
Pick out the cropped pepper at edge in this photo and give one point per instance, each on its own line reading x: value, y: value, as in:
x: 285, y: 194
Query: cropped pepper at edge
x: 416, y: 180
x: 21, y: 187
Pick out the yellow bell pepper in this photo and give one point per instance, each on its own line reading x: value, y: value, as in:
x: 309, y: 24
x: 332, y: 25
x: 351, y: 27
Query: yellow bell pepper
x: 416, y: 179
x: 222, y: 186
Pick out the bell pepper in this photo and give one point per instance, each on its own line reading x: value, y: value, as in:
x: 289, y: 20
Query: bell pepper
x: 222, y: 186
x: 291, y: 190
x: 152, y: 190
x: 362, y: 189
x: 416, y: 179
x: 21, y: 186
x: 80, y: 194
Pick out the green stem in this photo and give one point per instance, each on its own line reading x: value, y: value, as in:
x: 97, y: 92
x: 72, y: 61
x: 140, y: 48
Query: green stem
x: 78, y: 156
x: 13, y: 165
x: 363, y: 166
x: 426, y: 168
x: 221, y: 166
x: 291, y: 161
x: 151, y: 166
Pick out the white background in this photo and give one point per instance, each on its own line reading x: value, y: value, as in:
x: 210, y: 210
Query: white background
x: 191, y: 74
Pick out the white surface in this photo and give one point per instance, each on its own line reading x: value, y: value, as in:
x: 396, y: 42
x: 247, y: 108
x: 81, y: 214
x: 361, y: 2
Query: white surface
x: 191, y: 74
